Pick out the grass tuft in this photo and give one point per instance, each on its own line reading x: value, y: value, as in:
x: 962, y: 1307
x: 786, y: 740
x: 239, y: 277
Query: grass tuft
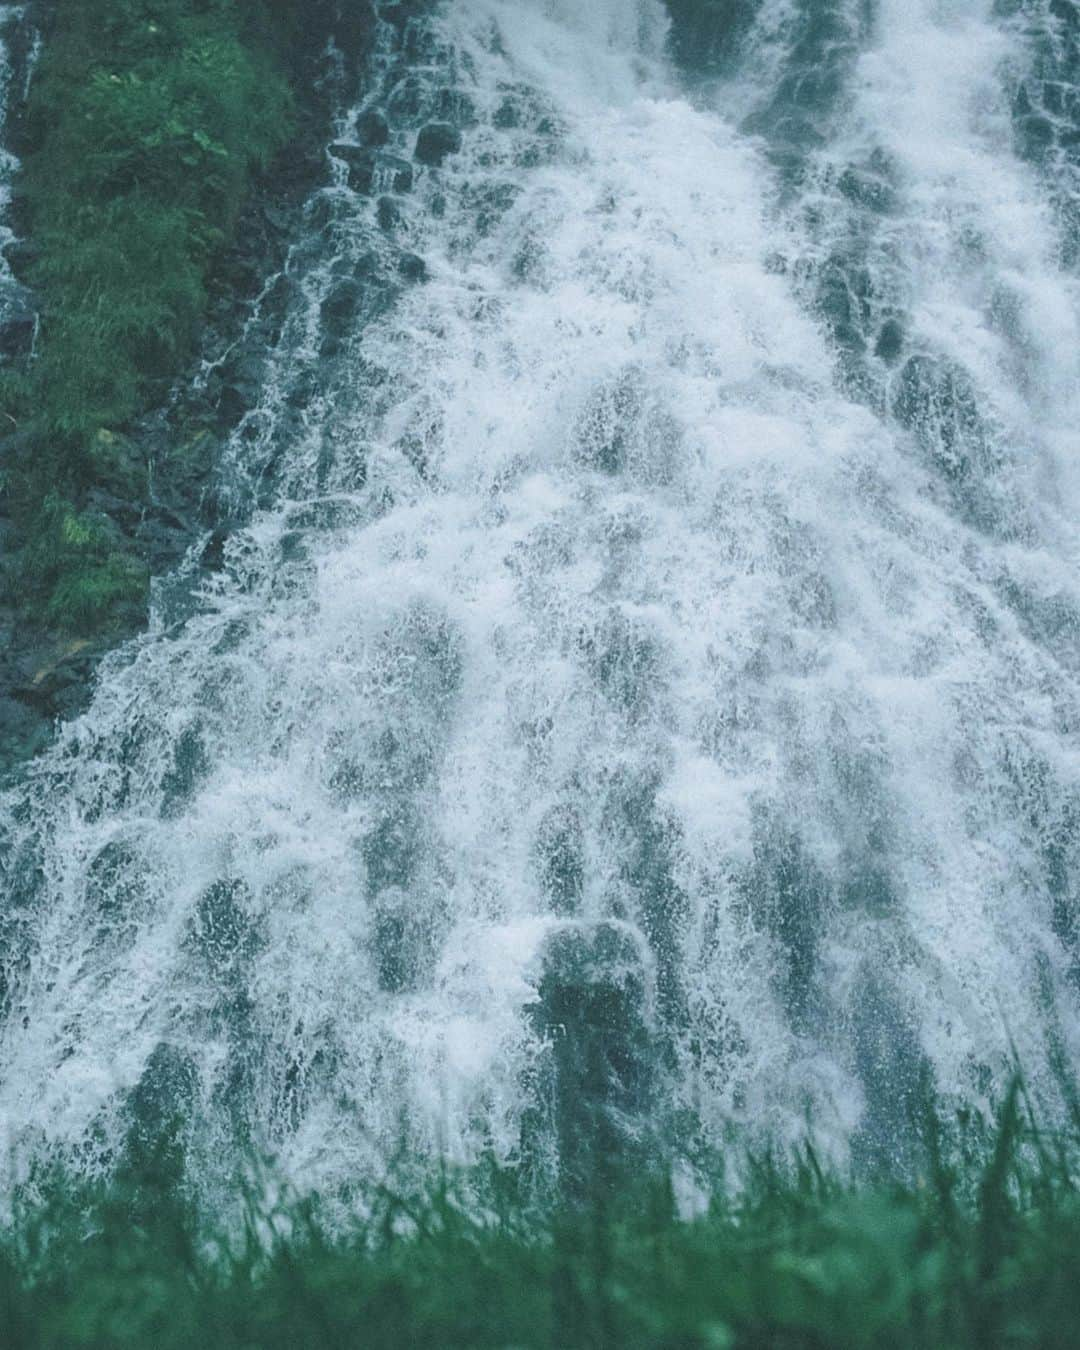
x: 801, y: 1257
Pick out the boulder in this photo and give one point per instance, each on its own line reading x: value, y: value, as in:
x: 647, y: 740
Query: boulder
x: 372, y: 129
x: 435, y: 142
x: 412, y: 267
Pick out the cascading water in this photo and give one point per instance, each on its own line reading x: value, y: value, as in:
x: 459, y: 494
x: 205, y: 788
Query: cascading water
x: 652, y: 665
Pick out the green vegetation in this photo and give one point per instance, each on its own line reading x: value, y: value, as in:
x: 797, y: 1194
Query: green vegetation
x: 980, y: 1254
x: 147, y: 121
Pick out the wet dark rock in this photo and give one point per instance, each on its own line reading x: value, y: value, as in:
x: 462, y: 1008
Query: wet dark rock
x: 164, y: 537
x: 896, y: 1077
x: 890, y: 341
x: 21, y: 255
x: 1035, y: 134
x: 421, y: 44
x: 331, y: 514
x: 23, y: 730
x: 935, y: 399
x: 190, y: 767
x: 508, y: 115
x: 412, y: 267
x: 403, y: 763
x: 274, y: 303
x: 409, y: 102
x: 650, y: 841
x: 597, y: 1083
x: 339, y: 309
x: 158, y: 1109
x: 454, y: 106
x: 301, y: 1069
x: 42, y: 678
x: 436, y: 141
x: 121, y: 511
x: 822, y: 51
x: 22, y: 879
x: 844, y: 299
x: 870, y: 889
x: 18, y: 324
x: 213, y: 553
x: 372, y: 129
x: 388, y: 214
x: 46, y: 677
x: 372, y: 171
x: 58, y: 688
x: 789, y: 896
x: 304, y: 389
x: 706, y: 37
x: 354, y: 301
x: 355, y: 156
x: 351, y: 25
x: 116, y: 895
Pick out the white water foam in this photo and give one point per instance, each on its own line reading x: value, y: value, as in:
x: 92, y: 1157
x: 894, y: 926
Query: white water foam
x: 613, y: 561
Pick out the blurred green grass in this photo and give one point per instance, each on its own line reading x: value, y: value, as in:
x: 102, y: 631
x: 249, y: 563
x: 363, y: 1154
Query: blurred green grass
x: 980, y: 1253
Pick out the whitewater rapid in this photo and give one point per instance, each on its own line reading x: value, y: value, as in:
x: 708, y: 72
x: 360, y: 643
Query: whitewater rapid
x: 678, y: 567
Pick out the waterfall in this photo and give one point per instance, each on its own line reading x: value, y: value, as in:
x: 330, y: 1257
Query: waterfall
x: 655, y: 626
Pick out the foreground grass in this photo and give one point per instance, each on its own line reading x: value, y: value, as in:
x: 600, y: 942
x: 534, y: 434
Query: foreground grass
x: 983, y: 1258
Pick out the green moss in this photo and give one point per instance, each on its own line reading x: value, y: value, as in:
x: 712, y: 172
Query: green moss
x: 87, y: 574
x: 147, y: 122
